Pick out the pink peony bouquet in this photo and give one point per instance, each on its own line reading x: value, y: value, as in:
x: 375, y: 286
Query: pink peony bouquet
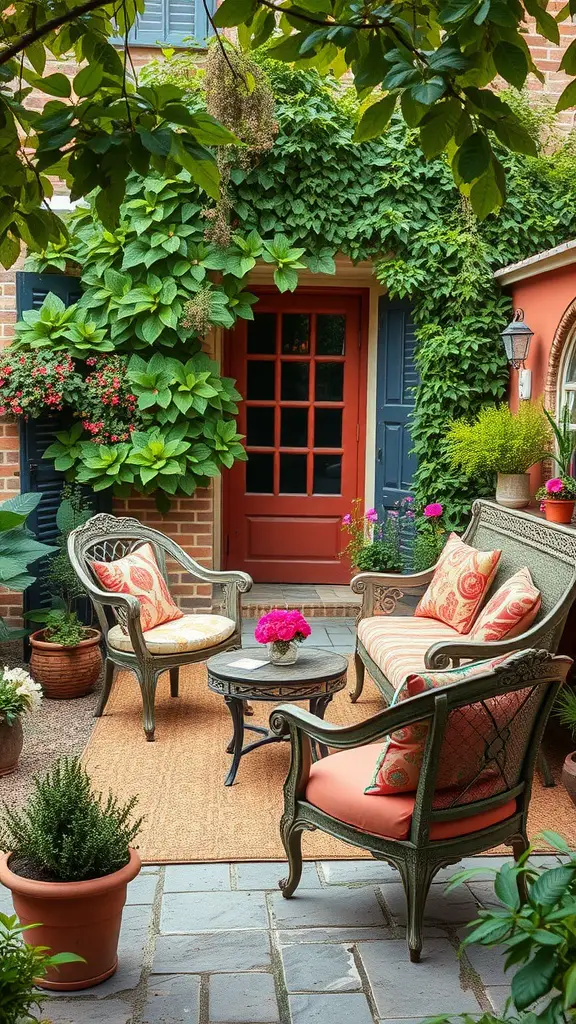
x: 282, y: 626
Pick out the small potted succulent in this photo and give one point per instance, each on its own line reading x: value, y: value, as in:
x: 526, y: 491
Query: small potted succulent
x: 66, y: 658
x: 19, y: 694
x: 282, y: 630
x: 501, y: 444
x: 558, y: 497
x: 21, y: 968
x: 69, y: 861
x: 566, y: 710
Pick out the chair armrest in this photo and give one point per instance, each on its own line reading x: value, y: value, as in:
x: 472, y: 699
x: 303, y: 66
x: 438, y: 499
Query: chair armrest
x: 131, y: 609
x: 288, y: 718
x: 385, y: 589
x: 442, y: 654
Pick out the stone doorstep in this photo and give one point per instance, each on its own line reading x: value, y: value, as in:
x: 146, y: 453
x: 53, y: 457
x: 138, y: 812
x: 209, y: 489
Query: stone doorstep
x: 317, y: 609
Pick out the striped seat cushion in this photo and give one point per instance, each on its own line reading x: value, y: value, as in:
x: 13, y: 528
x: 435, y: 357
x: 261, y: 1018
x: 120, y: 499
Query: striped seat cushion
x: 398, y: 643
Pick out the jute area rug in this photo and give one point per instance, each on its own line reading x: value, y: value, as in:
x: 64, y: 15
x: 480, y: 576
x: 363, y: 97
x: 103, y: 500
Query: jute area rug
x: 179, y: 779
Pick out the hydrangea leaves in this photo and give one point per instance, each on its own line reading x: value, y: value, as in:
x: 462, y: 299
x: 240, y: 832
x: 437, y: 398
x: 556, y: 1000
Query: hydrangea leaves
x: 435, y: 61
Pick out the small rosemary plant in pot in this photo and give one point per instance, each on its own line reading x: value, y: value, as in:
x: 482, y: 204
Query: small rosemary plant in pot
x: 69, y: 861
x: 66, y: 656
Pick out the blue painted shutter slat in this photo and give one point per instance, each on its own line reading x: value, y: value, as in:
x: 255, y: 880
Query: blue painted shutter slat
x: 36, y: 473
x: 171, y: 21
x: 397, y: 378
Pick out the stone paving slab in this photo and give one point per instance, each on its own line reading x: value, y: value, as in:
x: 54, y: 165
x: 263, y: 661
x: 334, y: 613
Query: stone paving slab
x: 219, y: 944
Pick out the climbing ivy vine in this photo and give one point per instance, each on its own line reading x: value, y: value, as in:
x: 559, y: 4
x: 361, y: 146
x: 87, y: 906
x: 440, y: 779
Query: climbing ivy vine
x: 382, y: 200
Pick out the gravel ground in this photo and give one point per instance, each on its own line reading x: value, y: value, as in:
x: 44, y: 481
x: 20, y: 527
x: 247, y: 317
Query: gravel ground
x: 59, y: 727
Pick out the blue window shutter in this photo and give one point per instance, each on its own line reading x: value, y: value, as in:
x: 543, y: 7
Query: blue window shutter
x: 36, y: 473
x: 171, y: 22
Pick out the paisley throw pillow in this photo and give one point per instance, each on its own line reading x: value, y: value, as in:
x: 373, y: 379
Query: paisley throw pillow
x: 138, y: 574
x: 511, y: 611
x: 459, y: 584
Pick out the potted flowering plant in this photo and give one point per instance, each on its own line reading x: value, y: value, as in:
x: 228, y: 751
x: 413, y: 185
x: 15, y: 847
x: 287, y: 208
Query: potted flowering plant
x: 558, y: 497
x: 430, y: 537
x: 375, y: 538
x: 282, y: 631
x: 19, y: 694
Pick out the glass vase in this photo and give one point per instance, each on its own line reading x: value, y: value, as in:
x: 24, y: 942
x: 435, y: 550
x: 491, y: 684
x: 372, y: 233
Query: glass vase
x: 283, y: 652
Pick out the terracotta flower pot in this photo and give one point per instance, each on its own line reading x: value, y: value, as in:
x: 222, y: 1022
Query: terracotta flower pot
x: 569, y: 776
x: 77, y: 917
x: 513, y: 490
x: 558, y: 511
x: 66, y: 671
x: 11, y: 742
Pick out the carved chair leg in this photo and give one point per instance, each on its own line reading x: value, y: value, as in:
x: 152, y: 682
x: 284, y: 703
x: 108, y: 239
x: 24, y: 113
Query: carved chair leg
x: 174, y: 674
x: 416, y: 877
x: 360, y: 670
x: 147, y: 679
x: 109, y: 669
x: 292, y: 841
x: 519, y: 846
x: 547, y: 777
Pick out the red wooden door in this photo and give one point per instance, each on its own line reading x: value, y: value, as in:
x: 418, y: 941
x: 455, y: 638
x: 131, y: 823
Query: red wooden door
x: 298, y: 368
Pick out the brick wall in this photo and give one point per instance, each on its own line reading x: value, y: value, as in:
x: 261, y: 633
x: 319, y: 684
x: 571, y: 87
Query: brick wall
x: 547, y: 58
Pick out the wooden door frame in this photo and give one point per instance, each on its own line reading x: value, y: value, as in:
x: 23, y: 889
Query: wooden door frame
x: 363, y: 294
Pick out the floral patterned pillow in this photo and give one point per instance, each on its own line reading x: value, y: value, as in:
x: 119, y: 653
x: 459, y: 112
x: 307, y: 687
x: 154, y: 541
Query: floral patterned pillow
x: 510, y: 611
x: 138, y: 574
x: 459, y: 584
x: 398, y: 764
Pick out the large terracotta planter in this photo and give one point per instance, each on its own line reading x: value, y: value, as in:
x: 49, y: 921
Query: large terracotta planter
x: 569, y: 776
x: 513, y: 490
x: 66, y: 671
x: 11, y: 742
x: 558, y: 511
x: 76, y: 917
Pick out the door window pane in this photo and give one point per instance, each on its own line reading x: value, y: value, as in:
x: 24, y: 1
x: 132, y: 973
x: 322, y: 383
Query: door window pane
x: 260, y: 473
x: 295, y: 382
x: 292, y: 473
x: 294, y: 428
x: 328, y: 428
x: 262, y: 334
x: 260, y: 379
x: 327, y: 474
x: 330, y: 334
x: 260, y: 427
x: 329, y: 382
x: 295, y: 334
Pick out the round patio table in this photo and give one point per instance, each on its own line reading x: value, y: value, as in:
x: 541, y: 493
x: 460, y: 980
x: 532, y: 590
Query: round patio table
x: 316, y: 676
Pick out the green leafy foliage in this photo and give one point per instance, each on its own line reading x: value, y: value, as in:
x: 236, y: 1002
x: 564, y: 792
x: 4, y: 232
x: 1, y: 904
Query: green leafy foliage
x: 18, y: 549
x: 565, y: 708
x: 565, y: 440
x: 21, y: 965
x: 499, y: 440
x: 538, y: 935
x: 380, y: 556
x: 63, y: 627
x: 66, y: 832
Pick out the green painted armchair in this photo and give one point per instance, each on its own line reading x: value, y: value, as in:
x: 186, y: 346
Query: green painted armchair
x: 106, y: 538
x: 410, y: 644
x: 419, y: 833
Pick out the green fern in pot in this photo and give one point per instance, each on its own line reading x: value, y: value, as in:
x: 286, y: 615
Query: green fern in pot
x: 566, y: 711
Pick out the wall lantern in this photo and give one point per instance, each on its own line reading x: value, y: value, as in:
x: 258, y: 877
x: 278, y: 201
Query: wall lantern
x: 516, y: 338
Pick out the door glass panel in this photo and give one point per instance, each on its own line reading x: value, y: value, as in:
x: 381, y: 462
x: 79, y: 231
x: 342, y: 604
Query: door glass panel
x: 328, y: 428
x: 260, y: 473
x: 330, y: 334
x: 260, y: 427
x: 260, y: 376
x: 262, y: 334
x: 295, y: 382
x: 295, y: 334
x: 327, y: 474
x: 294, y: 428
x: 329, y: 382
x: 292, y: 473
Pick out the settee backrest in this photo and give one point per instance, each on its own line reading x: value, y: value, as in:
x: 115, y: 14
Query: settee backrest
x: 548, y: 550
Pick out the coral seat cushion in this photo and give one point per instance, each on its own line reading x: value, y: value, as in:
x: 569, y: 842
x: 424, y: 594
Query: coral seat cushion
x: 397, y: 767
x: 511, y: 611
x: 188, y: 633
x: 138, y: 574
x: 336, y: 786
x: 459, y: 585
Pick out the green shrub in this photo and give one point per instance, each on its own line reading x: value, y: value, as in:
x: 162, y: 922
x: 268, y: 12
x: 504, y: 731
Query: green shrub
x: 380, y: 556
x: 499, y: 441
x: 20, y: 966
x: 67, y: 833
x: 64, y: 628
x: 427, y: 548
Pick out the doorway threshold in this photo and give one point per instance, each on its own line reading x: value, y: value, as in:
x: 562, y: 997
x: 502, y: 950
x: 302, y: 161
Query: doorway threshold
x: 313, y: 600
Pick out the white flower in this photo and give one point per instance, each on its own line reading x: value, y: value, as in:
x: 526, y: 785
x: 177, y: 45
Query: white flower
x: 16, y: 675
x: 32, y: 692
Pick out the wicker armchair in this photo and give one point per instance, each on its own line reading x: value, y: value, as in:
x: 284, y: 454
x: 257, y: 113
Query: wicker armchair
x: 106, y: 538
x: 506, y: 709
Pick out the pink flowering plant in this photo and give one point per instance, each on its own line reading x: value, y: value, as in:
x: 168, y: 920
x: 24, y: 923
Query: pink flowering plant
x: 32, y: 383
x: 559, y: 488
x: 282, y: 627
x: 431, y: 534
x: 375, y: 537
